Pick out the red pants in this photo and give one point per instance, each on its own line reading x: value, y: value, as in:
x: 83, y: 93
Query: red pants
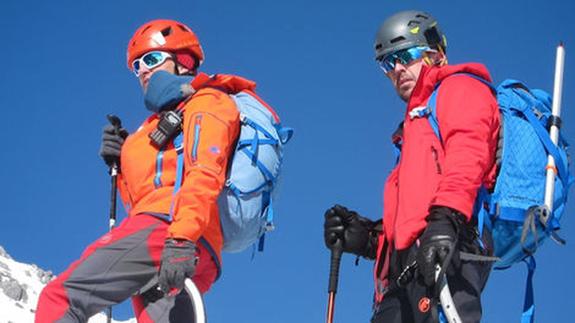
x: 118, y: 266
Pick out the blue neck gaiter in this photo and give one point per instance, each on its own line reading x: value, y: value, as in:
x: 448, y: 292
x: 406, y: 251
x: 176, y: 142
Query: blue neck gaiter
x: 166, y: 90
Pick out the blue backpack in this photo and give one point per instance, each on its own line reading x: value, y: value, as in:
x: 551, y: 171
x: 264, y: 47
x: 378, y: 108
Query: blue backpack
x: 514, y: 210
x: 245, y: 203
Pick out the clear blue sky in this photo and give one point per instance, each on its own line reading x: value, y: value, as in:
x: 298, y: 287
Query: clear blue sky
x: 64, y: 70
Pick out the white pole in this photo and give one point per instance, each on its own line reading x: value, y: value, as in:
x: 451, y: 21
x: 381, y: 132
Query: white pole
x: 197, y: 301
x: 551, y: 169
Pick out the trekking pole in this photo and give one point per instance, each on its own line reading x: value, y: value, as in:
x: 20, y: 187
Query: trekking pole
x: 197, y: 301
x: 551, y: 170
x: 333, y: 279
x: 117, y: 123
x: 445, y: 298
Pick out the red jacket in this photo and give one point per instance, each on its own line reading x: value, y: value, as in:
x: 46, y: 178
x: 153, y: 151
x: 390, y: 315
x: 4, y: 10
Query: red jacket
x: 431, y: 172
x: 448, y: 172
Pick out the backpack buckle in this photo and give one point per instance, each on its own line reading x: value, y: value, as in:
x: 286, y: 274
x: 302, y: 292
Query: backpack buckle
x: 419, y: 112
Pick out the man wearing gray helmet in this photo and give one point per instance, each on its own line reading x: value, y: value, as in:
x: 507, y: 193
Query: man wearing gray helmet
x: 429, y: 196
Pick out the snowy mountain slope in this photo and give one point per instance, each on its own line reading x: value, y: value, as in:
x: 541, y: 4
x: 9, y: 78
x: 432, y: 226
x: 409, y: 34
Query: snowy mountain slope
x: 20, y: 286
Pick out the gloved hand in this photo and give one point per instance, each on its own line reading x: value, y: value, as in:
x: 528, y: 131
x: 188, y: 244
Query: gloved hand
x: 112, y: 141
x: 178, y: 262
x: 348, y: 230
x: 438, y: 242
x: 166, y: 90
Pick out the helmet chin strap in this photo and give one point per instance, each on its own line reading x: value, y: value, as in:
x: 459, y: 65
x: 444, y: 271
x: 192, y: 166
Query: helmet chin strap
x: 187, y: 73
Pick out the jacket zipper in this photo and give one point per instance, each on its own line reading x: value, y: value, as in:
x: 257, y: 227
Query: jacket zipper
x: 436, y: 159
x: 197, y: 129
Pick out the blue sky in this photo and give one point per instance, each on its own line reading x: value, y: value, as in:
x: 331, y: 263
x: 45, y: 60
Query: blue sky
x: 65, y: 70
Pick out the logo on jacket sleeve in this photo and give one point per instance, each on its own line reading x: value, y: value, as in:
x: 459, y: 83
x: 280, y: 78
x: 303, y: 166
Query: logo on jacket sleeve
x: 215, y: 150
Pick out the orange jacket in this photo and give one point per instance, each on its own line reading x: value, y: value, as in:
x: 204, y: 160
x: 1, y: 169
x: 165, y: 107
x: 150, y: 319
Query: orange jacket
x: 211, y: 126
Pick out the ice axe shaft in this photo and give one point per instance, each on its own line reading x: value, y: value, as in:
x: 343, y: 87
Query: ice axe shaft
x: 333, y: 280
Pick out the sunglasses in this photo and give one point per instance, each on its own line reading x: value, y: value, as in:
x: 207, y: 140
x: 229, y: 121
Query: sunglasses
x: 149, y: 60
x: 404, y: 57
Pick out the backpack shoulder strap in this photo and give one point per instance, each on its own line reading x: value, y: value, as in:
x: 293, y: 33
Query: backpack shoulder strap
x: 179, y: 145
x: 432, y: 117
x: 432, y: 102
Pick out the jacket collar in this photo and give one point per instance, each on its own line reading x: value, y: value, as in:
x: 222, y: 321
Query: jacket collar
x: 430, y: 77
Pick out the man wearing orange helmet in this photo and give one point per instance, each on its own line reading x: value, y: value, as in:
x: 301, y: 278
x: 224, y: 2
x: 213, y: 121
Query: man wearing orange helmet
x: 172, y: 228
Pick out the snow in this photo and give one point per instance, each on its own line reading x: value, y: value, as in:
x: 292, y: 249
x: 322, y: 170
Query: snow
x: 20, y: 286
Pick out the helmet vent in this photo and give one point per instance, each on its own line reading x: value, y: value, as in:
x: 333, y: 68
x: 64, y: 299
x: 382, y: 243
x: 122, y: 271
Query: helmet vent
x: 166, y: 31
x: 397, y: 39
x: 183, y: 28
x: 412, y: 23
x: 432, y: 37
x: 421, y: 16
x: 144, y: 30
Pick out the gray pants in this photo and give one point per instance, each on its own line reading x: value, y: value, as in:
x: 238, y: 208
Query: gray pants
x: 116, y: 267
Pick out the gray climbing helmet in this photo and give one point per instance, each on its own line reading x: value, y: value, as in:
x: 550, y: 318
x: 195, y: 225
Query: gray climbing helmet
x: 407, y: 29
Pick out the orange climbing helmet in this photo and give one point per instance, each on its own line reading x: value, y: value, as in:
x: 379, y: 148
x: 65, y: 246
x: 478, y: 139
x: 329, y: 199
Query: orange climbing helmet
x: 165, y: 35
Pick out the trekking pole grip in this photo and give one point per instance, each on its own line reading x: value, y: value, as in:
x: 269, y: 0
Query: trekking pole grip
x: 336, y: 252
x: 334, y: 269
x: 117, y: 123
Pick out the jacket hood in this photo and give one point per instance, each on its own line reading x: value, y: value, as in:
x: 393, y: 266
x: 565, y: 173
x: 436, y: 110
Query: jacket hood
x: 228, y: 83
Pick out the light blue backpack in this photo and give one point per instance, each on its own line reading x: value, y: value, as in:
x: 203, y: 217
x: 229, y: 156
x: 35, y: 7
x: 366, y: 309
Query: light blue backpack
x: 245, y: 203
x: 246, y: 207
x: 512, y: 211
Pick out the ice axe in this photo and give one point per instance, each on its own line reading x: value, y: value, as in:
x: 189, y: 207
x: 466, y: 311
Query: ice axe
x: 117, y: 123
x: 336, y: 252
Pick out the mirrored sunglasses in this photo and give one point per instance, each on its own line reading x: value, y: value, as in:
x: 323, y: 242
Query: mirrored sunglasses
x: 149, y: 60
x: 404, y: 57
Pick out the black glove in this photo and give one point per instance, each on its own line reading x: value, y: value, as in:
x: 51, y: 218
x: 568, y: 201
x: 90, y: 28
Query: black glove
x: 348, y: 230
x: 112, y: 141
x: 438, y: 242
x: 178, y: 263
